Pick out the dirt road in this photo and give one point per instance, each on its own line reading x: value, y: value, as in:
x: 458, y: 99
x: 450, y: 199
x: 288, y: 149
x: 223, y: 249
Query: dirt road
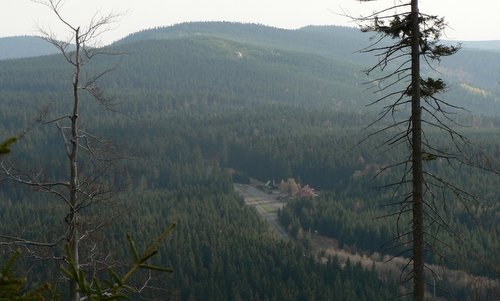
x: 266, y: 204
x: 322, y: 247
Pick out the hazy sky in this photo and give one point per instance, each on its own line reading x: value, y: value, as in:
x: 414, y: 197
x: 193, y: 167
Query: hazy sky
x: 469, y: 20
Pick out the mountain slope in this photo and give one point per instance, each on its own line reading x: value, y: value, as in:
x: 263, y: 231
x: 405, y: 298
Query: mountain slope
x: 194, y: 68
x: 213, y: 65
x: 330, y: 41
x: 471, y: 73
x: 247, y: 63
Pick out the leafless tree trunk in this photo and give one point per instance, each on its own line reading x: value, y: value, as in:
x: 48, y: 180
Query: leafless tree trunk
x: 415, y: 35
x: 72, y: 238
x: 78, y: 191
x: 416, y: 154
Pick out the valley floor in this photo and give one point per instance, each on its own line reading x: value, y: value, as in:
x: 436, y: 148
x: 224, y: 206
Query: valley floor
x: 323, y: 248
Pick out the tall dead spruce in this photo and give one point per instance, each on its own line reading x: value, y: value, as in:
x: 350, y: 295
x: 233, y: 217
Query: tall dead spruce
x: 81, y: 189
x: 414, y: 37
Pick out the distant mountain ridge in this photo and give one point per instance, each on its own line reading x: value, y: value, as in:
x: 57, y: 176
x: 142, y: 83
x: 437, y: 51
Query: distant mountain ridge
x: 24, y: 46
x: 335, y: 42
x: 493, y: 45
x: 250, y: 63
x: 330, y: 41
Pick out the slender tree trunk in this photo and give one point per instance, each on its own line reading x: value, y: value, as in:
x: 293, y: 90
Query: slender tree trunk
x: 73, y: 155
x: 417, y: 172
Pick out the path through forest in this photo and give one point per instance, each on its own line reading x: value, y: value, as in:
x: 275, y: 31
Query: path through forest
x: 323, y: 247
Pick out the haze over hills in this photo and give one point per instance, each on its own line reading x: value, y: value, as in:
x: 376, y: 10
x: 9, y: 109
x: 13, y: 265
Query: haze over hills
x: 483, y: 45
x: 24, y: 46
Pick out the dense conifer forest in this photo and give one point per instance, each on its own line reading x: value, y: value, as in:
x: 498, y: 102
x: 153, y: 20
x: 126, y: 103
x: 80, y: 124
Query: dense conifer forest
x: 190, y: 102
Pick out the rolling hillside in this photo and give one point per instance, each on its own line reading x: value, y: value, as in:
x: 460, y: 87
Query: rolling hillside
x: 314, y: 66
x: 477, y: 65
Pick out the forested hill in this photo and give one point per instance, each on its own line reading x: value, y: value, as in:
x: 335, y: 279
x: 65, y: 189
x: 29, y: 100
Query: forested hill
x: 247, y: 63
x: 225, y: 70
x: 330, y: 41
x: 471, y: 73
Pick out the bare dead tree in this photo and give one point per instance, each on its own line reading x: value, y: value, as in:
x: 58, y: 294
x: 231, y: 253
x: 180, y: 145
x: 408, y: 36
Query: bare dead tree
x: 80, y: 190
x: 414, y: 37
